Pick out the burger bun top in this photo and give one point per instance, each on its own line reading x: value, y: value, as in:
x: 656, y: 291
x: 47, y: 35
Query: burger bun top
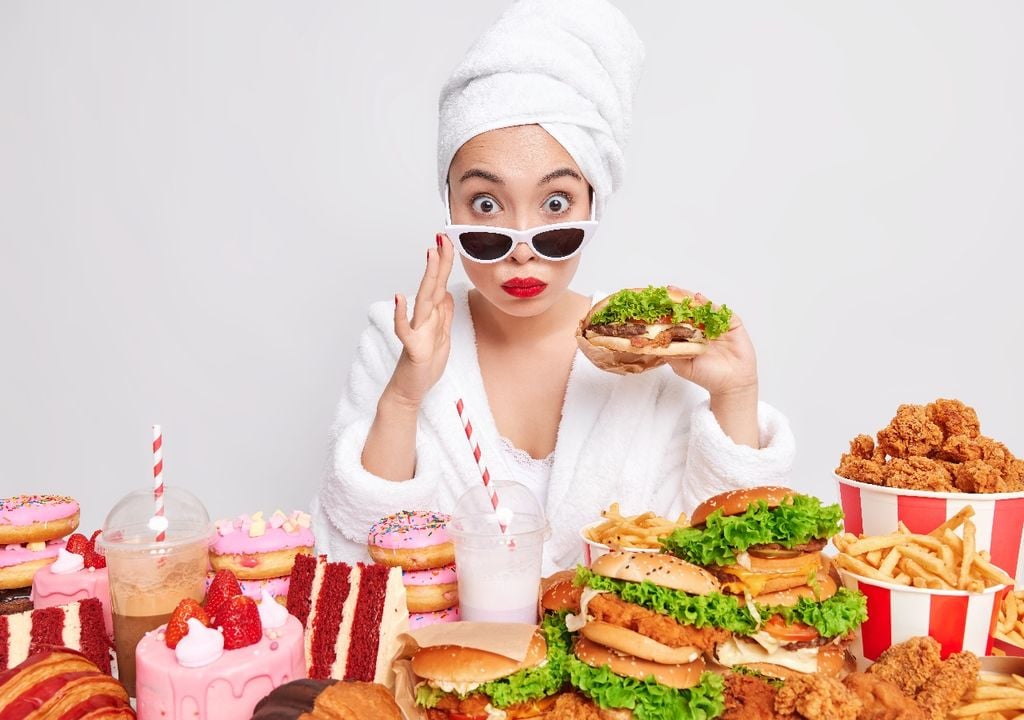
x: 736, y: 502
x: 659, y: 568
x: 458, y: 664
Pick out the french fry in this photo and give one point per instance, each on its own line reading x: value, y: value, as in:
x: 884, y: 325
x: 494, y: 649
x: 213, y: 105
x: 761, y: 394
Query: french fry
x: 954, y: 522
x: 976, y: 708
x: 1008, y: 611
x: 860, y: 567
x: 969, y: 551
x: 878, y: 542
x: 874, y: 558
x: 933, y: 564
x: 642, y: 531
x: 986, y: 568
x: 888, y: 565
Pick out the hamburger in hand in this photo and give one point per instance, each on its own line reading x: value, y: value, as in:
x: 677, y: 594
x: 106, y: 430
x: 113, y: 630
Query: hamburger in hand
x: 462, y: 683
x: 659, y: 321
x: 645, y: 621
x: 764, y: 544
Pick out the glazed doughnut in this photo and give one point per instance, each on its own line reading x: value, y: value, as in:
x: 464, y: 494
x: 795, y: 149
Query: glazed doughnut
x: 257, y: 549
x: 431, y: 590
x: 18, y: 563
x: 419, y: 620
x: 412, y: 540
x: 37, y: 518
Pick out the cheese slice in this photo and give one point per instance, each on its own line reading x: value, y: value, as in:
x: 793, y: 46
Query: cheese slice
x: 766, y: 649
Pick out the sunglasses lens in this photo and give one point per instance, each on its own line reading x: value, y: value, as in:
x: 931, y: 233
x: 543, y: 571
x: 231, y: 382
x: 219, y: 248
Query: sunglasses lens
x: 559, y: 243
x: 485, y: 245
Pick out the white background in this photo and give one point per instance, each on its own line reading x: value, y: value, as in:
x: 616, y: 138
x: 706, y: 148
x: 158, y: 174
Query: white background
x: 198, y: 201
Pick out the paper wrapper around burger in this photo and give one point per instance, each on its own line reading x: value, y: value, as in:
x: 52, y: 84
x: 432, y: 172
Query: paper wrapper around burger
x: 616, y: 361
x: 512, y: 640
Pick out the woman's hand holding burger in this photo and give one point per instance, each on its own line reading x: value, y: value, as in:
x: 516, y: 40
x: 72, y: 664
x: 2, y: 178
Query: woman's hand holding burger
x: 390, y: 449
x: 728, y: 371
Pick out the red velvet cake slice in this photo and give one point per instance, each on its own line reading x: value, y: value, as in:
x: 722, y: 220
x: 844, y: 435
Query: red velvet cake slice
x: 78, y: 626
x: 353, y: 616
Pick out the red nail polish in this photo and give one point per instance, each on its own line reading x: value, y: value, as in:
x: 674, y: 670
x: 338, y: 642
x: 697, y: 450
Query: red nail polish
x: 439, y: 241
x: 396, y: 301
x: 428, y: 254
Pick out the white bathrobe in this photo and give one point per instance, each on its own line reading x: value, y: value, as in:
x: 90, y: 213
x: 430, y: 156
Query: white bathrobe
x: 649, y: 441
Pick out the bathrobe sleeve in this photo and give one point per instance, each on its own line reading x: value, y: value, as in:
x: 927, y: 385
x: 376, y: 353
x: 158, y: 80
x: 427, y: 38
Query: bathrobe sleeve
x: 702, y: 460
x: 351, y: 499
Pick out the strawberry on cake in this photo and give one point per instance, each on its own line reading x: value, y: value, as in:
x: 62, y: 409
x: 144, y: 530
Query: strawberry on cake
x: 79, y: 572
x: 215, y: 662
x: 353, y: 616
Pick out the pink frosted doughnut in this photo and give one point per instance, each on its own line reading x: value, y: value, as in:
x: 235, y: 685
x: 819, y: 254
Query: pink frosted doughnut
x: 37, y: 518
x: 277, y: 587
x: 254, y: 548
x: 442, y: 616
x: 18, y: 564
x: 431, y: 590
x: 412, y: 540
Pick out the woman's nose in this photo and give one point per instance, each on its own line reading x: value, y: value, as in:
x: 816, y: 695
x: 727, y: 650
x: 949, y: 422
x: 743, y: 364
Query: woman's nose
x: 522, y: 253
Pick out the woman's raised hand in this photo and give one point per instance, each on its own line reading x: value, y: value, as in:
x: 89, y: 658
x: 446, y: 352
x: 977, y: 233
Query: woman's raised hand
x: 426, y: 339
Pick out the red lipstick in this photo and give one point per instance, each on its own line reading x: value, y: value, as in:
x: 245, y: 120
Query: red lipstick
x: 524, y: 287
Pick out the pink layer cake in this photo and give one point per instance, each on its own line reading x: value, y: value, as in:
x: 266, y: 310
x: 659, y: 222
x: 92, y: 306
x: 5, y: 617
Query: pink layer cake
x: 227, y: 688
x: 50, y: 589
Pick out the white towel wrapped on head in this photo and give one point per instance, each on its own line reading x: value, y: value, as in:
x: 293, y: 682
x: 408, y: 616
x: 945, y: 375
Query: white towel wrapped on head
x: 571, y: 66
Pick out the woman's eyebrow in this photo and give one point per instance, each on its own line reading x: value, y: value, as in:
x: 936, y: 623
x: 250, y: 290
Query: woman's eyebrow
x: 560, y: 172
x: 477, y: 172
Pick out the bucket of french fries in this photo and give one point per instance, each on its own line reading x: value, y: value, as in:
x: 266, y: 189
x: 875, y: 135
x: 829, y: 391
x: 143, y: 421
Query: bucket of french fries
x: 1008, y: 637
x: 939, y: 583
x: 635, y: 533
x: 998, y: 517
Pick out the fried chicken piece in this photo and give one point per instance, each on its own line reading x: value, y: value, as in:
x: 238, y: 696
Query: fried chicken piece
x: 881, y: 699
x: 1014, y: 476
x: 954, y: 418
x: 570, y: 706
x: 862, y: 446
x: 918, y: 473
x: 661, y: 628
x: 977, y: 476
x: 750, y: 698
x: 909, y: 665
x: 817, y: 697
x: 910, y: 433
x: 959, y: 449
x: 861, y: 469
x: 957, y: 674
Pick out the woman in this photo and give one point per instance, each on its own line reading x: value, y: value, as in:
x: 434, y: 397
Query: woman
x: 532, y: 126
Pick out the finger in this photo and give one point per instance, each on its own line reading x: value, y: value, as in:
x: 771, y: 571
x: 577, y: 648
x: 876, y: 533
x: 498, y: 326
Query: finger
x: 425, y: 294
x: 402, y: 328
x: 447, y: 255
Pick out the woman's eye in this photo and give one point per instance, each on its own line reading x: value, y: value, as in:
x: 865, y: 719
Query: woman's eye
x: 485, y: 205
x: 557, y: 204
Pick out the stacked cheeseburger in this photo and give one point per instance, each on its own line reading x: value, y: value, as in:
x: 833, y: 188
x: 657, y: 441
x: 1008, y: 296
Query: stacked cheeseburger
x: 764, y: 546
x: 644, y: 624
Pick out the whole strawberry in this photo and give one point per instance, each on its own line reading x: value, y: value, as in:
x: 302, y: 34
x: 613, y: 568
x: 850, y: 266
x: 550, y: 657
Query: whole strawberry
x: 77, y: 544
x: 177, y: 626
x: 93, y: 559
x: 224, y: 587
x: 239, y: 619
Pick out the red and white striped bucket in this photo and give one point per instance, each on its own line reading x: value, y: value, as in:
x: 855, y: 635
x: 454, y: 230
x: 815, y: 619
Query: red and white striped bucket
x: 959, y: 620
x: 998, y: 517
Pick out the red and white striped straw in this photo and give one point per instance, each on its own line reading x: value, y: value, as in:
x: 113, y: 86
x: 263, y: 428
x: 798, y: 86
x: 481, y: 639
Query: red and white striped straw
x: 485, y: 475
x: 158, y: 479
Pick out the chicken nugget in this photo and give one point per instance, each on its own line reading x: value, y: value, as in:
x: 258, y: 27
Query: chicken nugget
x: 954, y: 418
x: 863, y: 446
x: 909, y: 664
x: 882, y: 700
x: 957, y: 674
x: 1014, y: 476
x: 910, y: 433
x: 918, y: 473
x: 977, y: 476
x: 959, y: 449
x: 861, y: 470
x: 817, y: 697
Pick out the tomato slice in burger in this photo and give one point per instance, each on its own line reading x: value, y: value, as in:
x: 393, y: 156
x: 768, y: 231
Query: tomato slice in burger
x: 463, y: 716
x: 796, y: 632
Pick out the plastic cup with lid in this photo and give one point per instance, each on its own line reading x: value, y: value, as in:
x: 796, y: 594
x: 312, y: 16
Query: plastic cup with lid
x: 499, y: 570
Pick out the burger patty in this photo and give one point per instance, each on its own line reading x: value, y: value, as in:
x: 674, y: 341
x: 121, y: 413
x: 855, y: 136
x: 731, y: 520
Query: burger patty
x: 661, y: 628
x: 633, y: 330
x: 812, y: 545
x: 818, y: 642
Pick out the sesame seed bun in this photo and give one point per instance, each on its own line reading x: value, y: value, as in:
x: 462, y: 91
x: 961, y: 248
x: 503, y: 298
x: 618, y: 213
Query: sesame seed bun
x: 658, y: 568
x: 457, y: 664
x: 736, y: 502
